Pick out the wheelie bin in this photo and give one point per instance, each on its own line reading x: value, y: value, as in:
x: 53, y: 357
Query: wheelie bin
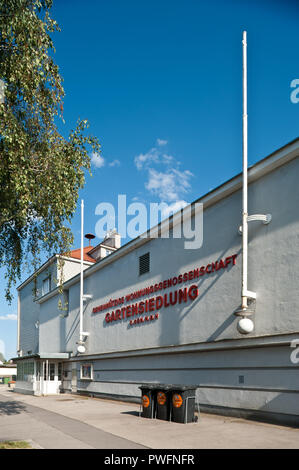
x: 183, y: 403
x: 148, y: 400
x: 163, y: 401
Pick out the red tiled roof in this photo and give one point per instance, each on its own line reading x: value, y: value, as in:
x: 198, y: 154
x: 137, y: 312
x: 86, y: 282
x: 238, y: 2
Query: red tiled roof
x: 77, y: 254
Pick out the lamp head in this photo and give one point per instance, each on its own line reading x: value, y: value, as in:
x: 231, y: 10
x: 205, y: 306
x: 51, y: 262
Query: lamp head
x: 245, y: 325
x: 81, y: 348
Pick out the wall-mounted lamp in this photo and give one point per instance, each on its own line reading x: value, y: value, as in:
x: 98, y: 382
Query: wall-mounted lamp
x: 245, y: 324
x: 81, y: 348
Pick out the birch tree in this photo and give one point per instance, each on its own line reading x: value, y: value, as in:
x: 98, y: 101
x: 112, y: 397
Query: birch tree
x: 41, y: 171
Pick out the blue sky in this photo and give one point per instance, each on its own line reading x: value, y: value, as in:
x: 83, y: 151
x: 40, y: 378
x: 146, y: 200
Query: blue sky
x: 161, y: 85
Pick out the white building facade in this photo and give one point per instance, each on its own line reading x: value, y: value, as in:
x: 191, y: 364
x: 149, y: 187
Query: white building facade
x: 159, y: 312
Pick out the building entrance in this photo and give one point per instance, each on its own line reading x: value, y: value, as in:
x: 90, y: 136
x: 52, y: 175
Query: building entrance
x: 48, y: 377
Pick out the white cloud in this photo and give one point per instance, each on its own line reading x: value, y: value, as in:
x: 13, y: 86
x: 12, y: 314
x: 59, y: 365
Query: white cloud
x: 169, y: 185
x: 97, y: 160
x: 9, y: 316
x: 153, y: 156
x: 161, y: 142
x: 144, y: 159
x: 167, y: 159
x: 114, y: 163
x: 166, y: 179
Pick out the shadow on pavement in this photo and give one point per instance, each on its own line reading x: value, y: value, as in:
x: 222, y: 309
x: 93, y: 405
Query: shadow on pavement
x: 133, y: 413
x: 11, y: 408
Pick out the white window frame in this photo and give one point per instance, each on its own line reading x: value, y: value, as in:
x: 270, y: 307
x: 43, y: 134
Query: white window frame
x: 91, y: 371
x: 49, y: 285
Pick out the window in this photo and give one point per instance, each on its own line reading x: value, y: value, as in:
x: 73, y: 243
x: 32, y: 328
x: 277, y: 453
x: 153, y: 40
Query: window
x: 46, y: 285
x: 86, y: 372
x: 38, y: 364
x: 25, y: 371
x: 144, y: 263
x: 51, y: 371
x: 59, y: 370
x: 106, y: 252
x: 20, y: 371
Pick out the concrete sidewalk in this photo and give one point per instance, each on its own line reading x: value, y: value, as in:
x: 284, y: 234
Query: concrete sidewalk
x: 50, y: 430
x: 71, y: 421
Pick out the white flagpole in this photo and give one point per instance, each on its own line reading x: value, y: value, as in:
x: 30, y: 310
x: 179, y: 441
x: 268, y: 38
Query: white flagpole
x: 245, y: 324
x: 81, y: 272
x: 245, y: 180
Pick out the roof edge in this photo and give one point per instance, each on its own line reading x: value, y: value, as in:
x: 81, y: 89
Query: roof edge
x: 47, y: 264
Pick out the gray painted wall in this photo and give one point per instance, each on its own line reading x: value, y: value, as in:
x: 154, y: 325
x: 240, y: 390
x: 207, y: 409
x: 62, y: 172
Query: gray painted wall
x: 30, y: 336
x: 270, y: 379
x: 29, y: 314
x: 273, y: 274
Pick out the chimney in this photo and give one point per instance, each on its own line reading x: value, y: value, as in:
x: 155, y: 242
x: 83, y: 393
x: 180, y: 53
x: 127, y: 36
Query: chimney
x: 111, y: 243
x: 112, y: 239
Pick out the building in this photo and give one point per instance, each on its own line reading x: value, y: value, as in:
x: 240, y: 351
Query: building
x: 8, y: 372
x: 158, y: 312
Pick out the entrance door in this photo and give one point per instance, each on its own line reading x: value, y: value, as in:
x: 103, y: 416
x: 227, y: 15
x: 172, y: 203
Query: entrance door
x: 50, y: 378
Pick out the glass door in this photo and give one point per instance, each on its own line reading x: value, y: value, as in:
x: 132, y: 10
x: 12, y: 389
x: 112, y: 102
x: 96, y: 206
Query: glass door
x: 51, y: 380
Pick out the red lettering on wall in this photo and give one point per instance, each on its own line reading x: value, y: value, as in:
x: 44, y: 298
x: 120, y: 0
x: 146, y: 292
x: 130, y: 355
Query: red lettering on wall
x: 159, y: 302
x: 156, y: 303
x: 173, y: 297
x: 152, y: 304
x: 193, y: 292
x: 183, y: 295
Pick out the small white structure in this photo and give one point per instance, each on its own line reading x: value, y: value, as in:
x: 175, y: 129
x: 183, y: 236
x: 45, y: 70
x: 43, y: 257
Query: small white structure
x: 40, y: 374
x: 7, y: 371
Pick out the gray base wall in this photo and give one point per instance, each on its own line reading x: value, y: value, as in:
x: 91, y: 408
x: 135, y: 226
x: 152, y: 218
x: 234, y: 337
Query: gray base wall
x: 25, y: 391
x: 256, y: 383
